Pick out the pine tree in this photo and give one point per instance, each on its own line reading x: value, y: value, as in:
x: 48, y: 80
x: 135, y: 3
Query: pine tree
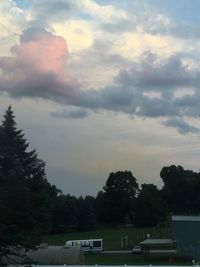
x: 26, y: 198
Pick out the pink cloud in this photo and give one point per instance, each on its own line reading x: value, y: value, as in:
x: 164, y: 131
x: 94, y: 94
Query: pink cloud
x: 47, y: 53
x: 38, y: 66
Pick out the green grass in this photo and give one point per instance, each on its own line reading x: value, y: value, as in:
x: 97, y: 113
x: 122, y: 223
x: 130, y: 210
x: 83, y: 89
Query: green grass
x: 111, y: 236
x: 117, y: 259
x: 112, y: 241
x: 130, y: 259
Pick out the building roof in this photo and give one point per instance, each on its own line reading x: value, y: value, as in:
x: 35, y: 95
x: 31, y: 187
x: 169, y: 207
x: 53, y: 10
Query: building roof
x: 50, y: 255
x: 156, y: 241
x: 186, y: 218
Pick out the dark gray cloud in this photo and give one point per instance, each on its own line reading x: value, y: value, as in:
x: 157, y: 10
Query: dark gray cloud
x: 155, y: 107
x: 189, y: 104
x: 157, y: 75
x: 181, y: 126
x: 73, y: 114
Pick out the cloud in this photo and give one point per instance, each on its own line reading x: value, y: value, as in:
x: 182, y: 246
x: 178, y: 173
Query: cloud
x: 181, y: 126
x: 12, y: 19
x: 42, y: 51
x: 43, y: 13
x: 106, y: 13
x: 78, y: 33
x: 37, y: 67
x: 157, y: 74
x: 47, y: 12
x: 73, y: 114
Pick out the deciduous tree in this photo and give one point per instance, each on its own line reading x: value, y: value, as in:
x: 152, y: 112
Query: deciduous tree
x: 150, y: 208
x: 119, y: 193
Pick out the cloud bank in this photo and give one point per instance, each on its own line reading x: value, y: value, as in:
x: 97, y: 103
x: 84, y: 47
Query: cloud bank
x: 38, y: 68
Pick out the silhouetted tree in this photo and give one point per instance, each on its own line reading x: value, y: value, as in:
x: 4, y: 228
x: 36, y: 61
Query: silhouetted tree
x: 25, y: 204
x: 119, y: 193
x: 65, y: 214
x: 103, y: 204
x: 150, y: 208
x: 87, y: 214
x: 179, y: 188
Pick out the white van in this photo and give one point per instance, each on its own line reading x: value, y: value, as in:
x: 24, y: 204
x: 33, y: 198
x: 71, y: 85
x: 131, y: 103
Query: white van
x: 87, y: 245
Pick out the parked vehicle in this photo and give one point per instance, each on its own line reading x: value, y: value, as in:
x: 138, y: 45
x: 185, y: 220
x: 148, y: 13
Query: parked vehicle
x: 137, y: 250
x: 87, y: 245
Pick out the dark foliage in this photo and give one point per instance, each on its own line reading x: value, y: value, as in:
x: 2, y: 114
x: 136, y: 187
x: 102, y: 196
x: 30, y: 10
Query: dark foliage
x: 150, y: 208
x: 26, y: 198
x: 114, y: 204
x: 181, y: 190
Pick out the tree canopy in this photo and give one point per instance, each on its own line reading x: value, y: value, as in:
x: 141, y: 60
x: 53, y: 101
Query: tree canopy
x: 181, y: 189
x: 150, y: 208
x: 115, y: 201
x: 121, y: 181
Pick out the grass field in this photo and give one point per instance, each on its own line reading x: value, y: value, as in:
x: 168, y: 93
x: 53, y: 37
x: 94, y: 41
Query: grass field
x: 112, y: 241
x: 129, y: 259
x: 111, y: 236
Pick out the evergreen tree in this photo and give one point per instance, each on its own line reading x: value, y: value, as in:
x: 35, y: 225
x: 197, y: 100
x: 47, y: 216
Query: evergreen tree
x: 25, y: 195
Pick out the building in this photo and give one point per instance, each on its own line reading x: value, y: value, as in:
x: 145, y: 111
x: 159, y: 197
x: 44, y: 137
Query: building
x: 49, y: 255
x: 158, y: 246
x: 186, y: 232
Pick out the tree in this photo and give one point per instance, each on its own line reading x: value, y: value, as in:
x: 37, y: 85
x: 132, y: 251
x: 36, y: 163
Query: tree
x: 87, y: 214
x: 25, y: 203
x: 193, y: 200
x: 119, y: 193
x: 121, y: 181
x: 177, y: 188
x: 181, y: 190
x: 103, y: 206
x: 65, y: 214
x: 150, y: 208
x: 74, y: 214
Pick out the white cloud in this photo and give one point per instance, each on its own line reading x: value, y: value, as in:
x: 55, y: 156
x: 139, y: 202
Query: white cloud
x: 133, y: 44
x: 78, y: 33
x: 12, y: 21
x: 106, y: 13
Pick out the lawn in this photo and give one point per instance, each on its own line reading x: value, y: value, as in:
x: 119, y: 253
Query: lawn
x: 111, y: 236
x: 123, y: 259
x: 112, y: 241
x: 129, y: 259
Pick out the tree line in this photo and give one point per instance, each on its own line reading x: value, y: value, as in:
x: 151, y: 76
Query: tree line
x: 31, y: 207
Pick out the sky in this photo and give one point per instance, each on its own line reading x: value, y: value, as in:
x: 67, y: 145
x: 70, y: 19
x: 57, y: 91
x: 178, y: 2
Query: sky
x: 101, y: 85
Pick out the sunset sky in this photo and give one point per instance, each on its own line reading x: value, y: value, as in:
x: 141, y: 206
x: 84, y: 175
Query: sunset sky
x: 105, y: 85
